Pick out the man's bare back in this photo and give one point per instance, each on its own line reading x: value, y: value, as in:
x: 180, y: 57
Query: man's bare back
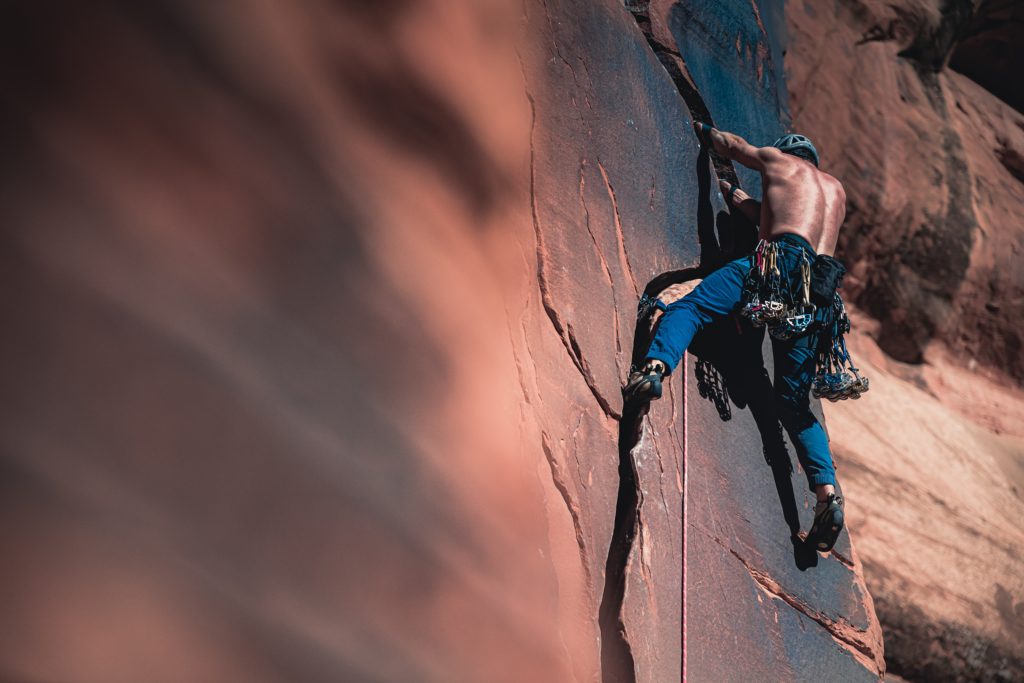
x: 798, y: 197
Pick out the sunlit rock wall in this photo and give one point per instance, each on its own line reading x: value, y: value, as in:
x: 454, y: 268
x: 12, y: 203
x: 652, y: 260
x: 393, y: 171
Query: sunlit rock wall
x: 316, y: 319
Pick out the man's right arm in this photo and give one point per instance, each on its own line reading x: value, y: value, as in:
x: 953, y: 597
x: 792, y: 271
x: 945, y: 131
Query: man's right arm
x: 730, y: 146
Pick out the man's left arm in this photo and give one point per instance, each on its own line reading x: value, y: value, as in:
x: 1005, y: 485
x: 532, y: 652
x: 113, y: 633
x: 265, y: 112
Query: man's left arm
x: 748, y: 206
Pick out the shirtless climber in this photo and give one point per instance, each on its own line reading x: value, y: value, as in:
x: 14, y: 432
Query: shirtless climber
x: 799, y: 219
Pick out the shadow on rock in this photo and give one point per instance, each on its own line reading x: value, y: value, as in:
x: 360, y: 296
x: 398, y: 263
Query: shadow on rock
x: 730, y: 367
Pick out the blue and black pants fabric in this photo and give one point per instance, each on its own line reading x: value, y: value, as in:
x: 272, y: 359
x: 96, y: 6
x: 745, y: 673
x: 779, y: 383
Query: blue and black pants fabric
x: 720, y: 295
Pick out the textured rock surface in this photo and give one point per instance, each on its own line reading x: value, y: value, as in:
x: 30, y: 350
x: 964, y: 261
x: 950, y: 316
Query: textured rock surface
x: 317, y: 316
x: 932, y: 166
x: 741, y: 512
x: 640, y: 204
x: 934, y: 477
x: 931, y: 163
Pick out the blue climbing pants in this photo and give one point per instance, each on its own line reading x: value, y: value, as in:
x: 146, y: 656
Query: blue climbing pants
x: 719, y: 296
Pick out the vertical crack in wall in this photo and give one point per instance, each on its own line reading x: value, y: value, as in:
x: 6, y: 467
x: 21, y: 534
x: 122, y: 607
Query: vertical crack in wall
x: 617, y: 660
x: 617, y: 663
x: 627, y: 267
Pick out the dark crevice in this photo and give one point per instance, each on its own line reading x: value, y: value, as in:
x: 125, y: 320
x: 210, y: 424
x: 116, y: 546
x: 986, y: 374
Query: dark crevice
x: 932, y: 45
x: 1012, y: 161
x: 990, y: 48
x: 617, y: 663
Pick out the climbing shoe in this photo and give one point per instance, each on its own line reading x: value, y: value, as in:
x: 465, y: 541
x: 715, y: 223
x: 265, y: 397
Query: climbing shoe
x: 645, y: 384
x: 828, y: 522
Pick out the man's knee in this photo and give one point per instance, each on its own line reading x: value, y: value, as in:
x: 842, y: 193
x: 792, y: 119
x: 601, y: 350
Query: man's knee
x: 681, y: 304
x: 675, y: 292
x: 794, y: 412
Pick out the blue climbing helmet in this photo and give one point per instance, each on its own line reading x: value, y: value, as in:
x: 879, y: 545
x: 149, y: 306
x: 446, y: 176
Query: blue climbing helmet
x: 798, y: 145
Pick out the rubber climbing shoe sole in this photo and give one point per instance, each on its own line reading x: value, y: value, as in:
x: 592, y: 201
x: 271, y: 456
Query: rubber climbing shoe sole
x: 643, y: 387
x: 828, y: 524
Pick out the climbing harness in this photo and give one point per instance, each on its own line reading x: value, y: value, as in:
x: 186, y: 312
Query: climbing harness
x: 769, y: 301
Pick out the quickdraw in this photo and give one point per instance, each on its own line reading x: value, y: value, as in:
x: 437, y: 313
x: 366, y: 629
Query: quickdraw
x: 800, y: 316
x: 838, y: 378
x: 712, y: 386
x: 767, y: 298
x: 765, y: 304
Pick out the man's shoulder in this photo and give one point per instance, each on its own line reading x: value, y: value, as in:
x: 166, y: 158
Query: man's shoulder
x: 833, y: 182
x: 770, y: 153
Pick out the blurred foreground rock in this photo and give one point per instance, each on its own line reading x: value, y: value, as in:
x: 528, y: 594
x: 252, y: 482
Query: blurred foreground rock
x: 316, y: 318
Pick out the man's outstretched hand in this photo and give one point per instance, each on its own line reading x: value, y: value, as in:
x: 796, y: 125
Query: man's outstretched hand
x: 703, y: 132
x: 729, y: 146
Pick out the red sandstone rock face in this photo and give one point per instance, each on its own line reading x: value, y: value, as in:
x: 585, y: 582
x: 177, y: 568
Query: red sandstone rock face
x: 931, y: 164
x: 933, y: 474
x: 316, y: 317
